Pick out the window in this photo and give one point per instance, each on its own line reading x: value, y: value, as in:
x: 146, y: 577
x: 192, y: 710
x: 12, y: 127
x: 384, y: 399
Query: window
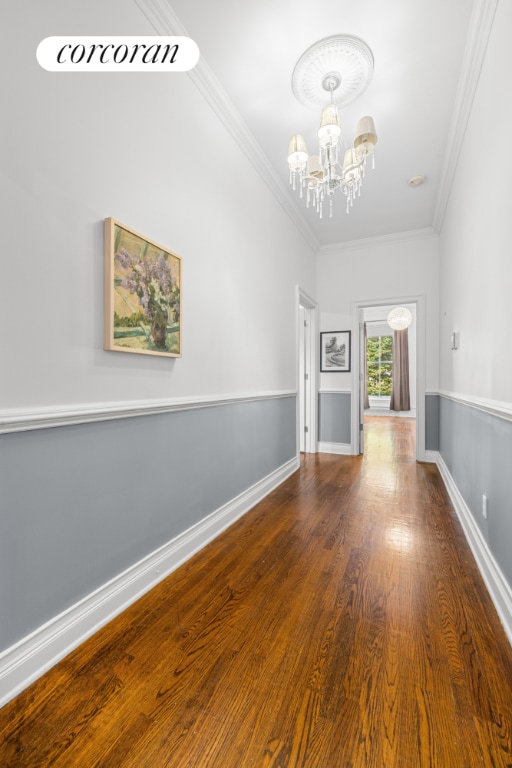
x: 379, y: 357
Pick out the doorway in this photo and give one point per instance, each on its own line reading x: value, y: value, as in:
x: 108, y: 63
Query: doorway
x: 306, y: 376
x: 374, y: 314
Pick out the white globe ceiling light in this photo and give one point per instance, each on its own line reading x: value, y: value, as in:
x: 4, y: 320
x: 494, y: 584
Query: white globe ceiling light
x: 399, y: 318
x: 341, y: 66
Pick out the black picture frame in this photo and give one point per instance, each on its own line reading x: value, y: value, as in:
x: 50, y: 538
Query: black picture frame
x: 335, y: 351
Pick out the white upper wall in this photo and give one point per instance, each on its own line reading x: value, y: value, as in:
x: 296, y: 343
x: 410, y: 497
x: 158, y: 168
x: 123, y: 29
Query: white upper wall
x: 376, y: 271
x: 149, y: 151
x: 476, y: 237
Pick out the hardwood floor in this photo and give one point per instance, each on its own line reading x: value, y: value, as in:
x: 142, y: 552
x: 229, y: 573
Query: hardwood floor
x: 342, y: 623
x: 389, y: 436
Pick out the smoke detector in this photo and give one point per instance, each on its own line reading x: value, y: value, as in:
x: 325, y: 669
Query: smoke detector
x: 416, y: 181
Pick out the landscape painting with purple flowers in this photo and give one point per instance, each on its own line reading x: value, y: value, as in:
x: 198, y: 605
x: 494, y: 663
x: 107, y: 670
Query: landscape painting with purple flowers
x: 142, y: 294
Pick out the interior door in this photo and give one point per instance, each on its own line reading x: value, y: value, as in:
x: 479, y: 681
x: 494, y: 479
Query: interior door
x: 307, y: 362
x: 302, y: 381
x: 362, y: 373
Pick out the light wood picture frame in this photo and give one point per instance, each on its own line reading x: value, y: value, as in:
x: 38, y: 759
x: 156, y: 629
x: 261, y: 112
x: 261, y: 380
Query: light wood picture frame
x: 142, y: 294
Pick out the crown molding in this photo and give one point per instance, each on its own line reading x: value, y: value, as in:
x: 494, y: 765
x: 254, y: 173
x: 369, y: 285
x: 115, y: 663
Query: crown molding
x: 480, y: 27
x: 165, y: 21
x: 367, y: 242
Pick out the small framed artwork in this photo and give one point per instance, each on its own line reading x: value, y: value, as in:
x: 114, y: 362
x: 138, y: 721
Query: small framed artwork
x: 142, y: 294
x: 335, y: 352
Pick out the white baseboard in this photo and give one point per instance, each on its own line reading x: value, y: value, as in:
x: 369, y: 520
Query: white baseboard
x: 432, y: 457
x: 343, y: 449
x: 28, y: 659
x: 496, y: 583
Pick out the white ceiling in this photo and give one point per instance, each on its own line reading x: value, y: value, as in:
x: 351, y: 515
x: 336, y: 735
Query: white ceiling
x: 418, y: 47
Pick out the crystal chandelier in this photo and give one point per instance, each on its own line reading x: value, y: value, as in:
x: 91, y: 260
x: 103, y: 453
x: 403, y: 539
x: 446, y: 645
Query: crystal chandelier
x: 341, y: 66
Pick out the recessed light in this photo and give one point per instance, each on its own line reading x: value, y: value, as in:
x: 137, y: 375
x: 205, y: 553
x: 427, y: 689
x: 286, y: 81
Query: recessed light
x: 416, y: 181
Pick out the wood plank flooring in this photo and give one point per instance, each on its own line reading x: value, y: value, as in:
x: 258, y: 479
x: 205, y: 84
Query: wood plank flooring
x: 342, y: 623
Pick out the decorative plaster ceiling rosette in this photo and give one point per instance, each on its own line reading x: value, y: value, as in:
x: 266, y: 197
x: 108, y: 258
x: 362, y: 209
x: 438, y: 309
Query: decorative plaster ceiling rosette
x: 342, y: 63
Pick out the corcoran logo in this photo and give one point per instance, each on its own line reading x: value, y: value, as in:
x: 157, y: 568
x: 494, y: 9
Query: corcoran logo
x: 117, y: 54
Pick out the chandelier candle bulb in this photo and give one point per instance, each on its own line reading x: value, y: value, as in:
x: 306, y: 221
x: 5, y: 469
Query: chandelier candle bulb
x: 329, y: 131
x: 366, y: 136
x: 314, y: 171
x: 352, y: 168
x: 297, y: 153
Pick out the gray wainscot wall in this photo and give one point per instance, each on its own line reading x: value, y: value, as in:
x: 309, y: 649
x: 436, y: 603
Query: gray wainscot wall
x: 83, y: 503
x: 431, y: 422
x: 334, y: 418
x: 476, y: 447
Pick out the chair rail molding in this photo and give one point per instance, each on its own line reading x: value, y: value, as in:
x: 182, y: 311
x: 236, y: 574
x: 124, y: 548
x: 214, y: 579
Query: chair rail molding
x: 42, y: 418
x: 502, y: 410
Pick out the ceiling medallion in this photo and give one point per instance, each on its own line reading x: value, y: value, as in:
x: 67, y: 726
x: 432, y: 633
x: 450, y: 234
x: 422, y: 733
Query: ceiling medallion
x: 338, y: 70
x: 345, y: 57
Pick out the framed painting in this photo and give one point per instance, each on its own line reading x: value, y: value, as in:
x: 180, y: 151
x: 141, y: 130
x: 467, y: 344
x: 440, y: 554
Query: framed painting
x: 142, y: 294
x: 335, y: 352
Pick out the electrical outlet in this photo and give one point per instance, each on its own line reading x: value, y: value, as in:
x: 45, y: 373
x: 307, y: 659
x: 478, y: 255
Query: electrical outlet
x: 484, y: 506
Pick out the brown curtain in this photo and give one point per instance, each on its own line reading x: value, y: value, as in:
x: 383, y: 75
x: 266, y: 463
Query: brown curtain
x: 365, y: 374
x: 400, y: 399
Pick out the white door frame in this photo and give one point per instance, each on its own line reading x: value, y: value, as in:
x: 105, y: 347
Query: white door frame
x: 421, y: 367
x: 308, y: 337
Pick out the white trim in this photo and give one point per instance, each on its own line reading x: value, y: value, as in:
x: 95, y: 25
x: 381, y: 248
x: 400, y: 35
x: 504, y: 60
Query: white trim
x: 493, y: 407
x: 342, y: 449
x: 432, y: 457
x: 165, y: 21
x: 497, y: 585
x: 28, y: 659
x: 42, y: 418
x: 480, y: 27
x: 332, y: 391
x: 368, y: 242
x: 386, y: 413
x: 310, y: 366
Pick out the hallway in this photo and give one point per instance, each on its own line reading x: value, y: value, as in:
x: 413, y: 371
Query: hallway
x: 341, y: 623
x: 389, y: 436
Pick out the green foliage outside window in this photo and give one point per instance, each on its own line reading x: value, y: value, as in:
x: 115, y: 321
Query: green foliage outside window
x: 379, y: 356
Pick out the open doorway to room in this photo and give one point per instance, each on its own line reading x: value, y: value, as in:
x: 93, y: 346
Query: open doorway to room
x: 384, y: 368
x: 383, y: 412
x: 380, y: 362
